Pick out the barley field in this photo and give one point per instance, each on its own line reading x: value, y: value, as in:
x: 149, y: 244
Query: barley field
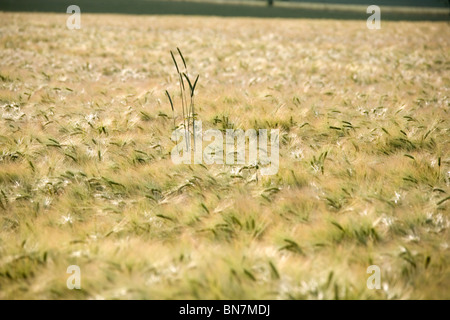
x: 86, y: 176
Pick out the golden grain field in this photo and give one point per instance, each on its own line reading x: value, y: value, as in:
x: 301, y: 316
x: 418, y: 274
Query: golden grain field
x: 86, y: 176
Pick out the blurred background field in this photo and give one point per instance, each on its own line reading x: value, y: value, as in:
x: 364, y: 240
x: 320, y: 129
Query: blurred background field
x: 436, y: 10
x: 86, y: 177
